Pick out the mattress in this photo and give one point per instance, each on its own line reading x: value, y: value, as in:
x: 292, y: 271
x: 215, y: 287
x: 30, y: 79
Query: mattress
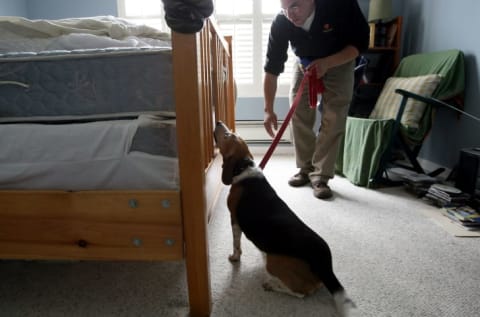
x: 85, y: 84
x: 111, y: 154
x: 86, y: 104
x: 83, y: 69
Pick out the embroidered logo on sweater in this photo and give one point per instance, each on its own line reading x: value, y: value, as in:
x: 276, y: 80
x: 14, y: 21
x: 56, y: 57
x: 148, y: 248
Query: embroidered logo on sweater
x: 327, y: 28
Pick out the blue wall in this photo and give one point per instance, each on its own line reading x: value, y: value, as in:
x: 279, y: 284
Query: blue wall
x: 431, y: 25
x: 13, y: 7
x: 58, y: 9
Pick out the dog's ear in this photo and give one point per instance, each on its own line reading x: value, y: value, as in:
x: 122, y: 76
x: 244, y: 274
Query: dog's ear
x: 227, y: 173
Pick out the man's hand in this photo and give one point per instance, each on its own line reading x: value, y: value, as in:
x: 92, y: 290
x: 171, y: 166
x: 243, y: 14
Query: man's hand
x: 321, y: 66
x: 269, y: 91
x: 347, y: 54
x: 270, y: 123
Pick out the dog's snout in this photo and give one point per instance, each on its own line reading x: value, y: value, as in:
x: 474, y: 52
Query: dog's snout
x: 220, y: 126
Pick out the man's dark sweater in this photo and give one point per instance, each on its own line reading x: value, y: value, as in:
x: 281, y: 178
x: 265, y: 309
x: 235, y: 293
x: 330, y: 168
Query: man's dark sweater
x: 337, y: 23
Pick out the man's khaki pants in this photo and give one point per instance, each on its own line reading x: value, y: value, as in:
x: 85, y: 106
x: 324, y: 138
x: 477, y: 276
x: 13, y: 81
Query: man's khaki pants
x: 316, y: 153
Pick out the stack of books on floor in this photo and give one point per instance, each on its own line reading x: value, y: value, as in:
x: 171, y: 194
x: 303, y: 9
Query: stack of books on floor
x: 465, y: 216
x: 446, y: 196
x: 418, y: 184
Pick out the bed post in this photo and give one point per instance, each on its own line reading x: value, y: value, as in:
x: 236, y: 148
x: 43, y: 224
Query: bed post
x: 191, y: 147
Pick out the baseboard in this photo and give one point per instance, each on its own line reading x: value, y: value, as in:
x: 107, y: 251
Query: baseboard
x: 258, y: 150
x: 253, y: 132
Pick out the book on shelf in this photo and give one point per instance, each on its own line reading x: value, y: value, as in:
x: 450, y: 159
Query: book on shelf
x: 380, y: 35
x: 391, y: 32
x: 371, y: 43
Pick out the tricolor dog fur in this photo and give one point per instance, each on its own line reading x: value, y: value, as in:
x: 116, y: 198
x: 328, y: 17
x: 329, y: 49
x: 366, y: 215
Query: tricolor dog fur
x: 298, y: 260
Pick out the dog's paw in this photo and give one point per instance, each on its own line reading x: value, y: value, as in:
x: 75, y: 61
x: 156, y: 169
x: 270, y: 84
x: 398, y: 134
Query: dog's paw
x: 274, y: 285
x: 267, y: 287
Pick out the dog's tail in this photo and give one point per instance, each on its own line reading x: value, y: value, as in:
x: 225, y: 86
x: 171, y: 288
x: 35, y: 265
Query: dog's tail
x: 323, y: 268
x: 343, y: 303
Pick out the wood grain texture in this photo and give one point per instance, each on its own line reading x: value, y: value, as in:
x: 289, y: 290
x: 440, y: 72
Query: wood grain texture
x: 143, y: 224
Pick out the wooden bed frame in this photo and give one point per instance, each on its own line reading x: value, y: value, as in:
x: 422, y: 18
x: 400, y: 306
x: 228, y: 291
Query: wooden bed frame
x: 146, y: 225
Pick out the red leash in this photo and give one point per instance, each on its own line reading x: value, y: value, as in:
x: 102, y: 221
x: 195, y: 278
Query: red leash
x: 315, y: 87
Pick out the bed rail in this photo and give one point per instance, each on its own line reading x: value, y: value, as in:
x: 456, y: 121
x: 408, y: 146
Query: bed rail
x: 202, y: 62
x: 147, y: 225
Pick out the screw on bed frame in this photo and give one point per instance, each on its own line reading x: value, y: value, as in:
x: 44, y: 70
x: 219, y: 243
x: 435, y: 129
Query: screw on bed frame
x: 169, y: 242
x: 133, y: 203
x: 137, y: 242
x: 166, y: 203
x: 82, y: 243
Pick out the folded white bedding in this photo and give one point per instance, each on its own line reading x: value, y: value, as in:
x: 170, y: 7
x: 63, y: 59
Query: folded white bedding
x: 81, y: 156
x: 22, y: 35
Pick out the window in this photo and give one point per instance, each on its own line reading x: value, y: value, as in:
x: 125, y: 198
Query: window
x: 148, y: 12
x: 248, y: 21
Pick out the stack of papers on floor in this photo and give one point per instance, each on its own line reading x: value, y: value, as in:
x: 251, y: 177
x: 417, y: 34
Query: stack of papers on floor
x: 466, y: 216
x: 446, y: 196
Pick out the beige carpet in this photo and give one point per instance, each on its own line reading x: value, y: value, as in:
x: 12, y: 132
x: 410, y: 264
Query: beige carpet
x: 392, y: 259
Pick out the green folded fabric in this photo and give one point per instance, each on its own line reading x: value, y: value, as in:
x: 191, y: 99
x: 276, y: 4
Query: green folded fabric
x: 449, y: 64
x: 364, y: 144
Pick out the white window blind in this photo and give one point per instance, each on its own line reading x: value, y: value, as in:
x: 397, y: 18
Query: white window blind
x: 248, y: 21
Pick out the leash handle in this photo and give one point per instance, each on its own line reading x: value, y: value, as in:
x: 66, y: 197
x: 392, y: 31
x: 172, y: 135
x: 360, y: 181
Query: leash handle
x: 284, y: 125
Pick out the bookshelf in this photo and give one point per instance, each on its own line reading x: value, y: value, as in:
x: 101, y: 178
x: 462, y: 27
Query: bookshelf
x: 384, y: 49
x: 383, y: 57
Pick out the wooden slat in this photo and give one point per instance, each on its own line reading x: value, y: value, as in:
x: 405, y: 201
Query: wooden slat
x: 65, y: 239
x: 231, y: 89
x: 213, y: 185
x: 192, y: 162
x: 103, y: 206
x: 51, y: 224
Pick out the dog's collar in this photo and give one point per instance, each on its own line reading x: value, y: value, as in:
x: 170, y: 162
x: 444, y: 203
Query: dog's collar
x: 246, y: 169
x: 242, y: 165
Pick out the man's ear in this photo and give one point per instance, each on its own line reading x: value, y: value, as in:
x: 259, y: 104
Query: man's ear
x: 227, y: 173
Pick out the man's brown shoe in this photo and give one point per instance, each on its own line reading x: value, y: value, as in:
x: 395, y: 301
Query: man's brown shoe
x: 321, y: 190
x: 299, y: 179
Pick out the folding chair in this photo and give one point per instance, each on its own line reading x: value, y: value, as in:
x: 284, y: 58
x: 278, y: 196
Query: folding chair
x: 398, y: 124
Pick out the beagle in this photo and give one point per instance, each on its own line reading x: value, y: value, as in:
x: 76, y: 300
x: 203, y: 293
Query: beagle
x: 298, y: 260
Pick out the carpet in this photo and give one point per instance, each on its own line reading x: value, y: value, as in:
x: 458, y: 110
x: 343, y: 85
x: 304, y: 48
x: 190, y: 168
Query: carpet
x: 391, y: 258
